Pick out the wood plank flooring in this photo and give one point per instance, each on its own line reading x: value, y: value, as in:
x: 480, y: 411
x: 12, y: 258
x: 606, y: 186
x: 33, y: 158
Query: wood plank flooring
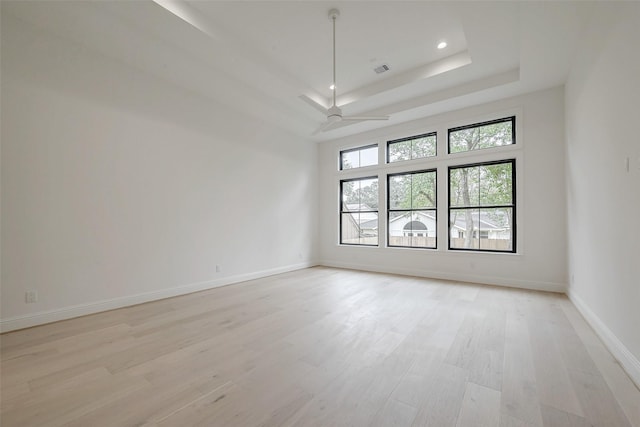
x: 321, y: 347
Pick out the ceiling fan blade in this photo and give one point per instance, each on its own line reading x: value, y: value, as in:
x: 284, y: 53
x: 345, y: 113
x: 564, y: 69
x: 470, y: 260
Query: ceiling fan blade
x: 363, y: 118
x: 314, y: 104
x: 326, y: 126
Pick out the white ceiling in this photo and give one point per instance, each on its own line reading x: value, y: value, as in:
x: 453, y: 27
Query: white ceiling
x: 263, y: 57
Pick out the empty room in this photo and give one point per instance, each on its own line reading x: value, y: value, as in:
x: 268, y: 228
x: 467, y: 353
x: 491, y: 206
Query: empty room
x: 313, y: 213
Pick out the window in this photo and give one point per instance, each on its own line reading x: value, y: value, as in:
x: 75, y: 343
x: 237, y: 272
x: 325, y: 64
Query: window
x: 479, y: 167
x: 411, y: 208
x: 414, y: 147
x: 478, y: 136
x: 359, y: 157
x: 359, y: 211
x: 482, y: 206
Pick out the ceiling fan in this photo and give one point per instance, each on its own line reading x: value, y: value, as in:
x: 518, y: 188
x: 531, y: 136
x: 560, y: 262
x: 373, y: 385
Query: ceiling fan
x: 334, y: 113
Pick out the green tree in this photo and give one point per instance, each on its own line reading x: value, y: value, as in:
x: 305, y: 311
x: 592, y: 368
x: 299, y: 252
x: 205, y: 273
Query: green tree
x: 479, y: 137
x: 416, y: 148
x: 413, y: 191
x: 369, y: 194
x: 362, y: 193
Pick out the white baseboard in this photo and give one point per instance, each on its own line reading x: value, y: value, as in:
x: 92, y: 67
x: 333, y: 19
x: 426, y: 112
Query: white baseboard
x: 34, y: 319
x: 470, y: 278
x: 622, y: 354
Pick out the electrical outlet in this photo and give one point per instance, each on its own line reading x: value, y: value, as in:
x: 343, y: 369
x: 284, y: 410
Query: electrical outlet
x: 31, y: 297
x: 217, y: 268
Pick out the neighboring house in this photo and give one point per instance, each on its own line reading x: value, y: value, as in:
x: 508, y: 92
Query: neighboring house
x: 416, y: 224
x: 420, y: 224
x: 357, y: 225
x: 484, y: 226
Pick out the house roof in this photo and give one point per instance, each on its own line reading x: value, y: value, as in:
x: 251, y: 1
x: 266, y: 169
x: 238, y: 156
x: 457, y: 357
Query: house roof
x: 356, y: 207
x: 485, y: 222
x: 365, y: 220
x: 482, y: 219
x: 428, y: 214
x: 415, y: 225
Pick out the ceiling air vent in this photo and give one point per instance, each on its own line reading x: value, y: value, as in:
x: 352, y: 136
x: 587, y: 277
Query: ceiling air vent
x: 381, y: 69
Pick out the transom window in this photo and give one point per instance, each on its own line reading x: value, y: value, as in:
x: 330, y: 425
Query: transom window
x: 494, y: 133
x: 359, y: 157
x: 413, y: 147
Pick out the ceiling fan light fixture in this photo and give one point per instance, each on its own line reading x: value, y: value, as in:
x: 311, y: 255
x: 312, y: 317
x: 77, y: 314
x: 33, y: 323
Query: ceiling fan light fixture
x: 334, y: 114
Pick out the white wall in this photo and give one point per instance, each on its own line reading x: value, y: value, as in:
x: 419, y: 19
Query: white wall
x: 602, y: 95
x: 118, y: 187
x: 541, y: 259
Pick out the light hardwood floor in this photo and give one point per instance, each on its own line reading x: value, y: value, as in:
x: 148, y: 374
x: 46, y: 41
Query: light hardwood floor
x: 321, y: 347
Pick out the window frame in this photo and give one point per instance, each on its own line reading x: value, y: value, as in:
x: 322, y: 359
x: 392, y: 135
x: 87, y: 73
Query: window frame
x: 359, y: 148
x: 442, y: 162
x: 342, y: 211
x: 434, y: 209
x: 511, y: 119
x: 512, y: 206
x: 410, y: 138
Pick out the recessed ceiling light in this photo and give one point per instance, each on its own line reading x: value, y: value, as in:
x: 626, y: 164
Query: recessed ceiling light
x: 442, y: 45
x: 332, y: 87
